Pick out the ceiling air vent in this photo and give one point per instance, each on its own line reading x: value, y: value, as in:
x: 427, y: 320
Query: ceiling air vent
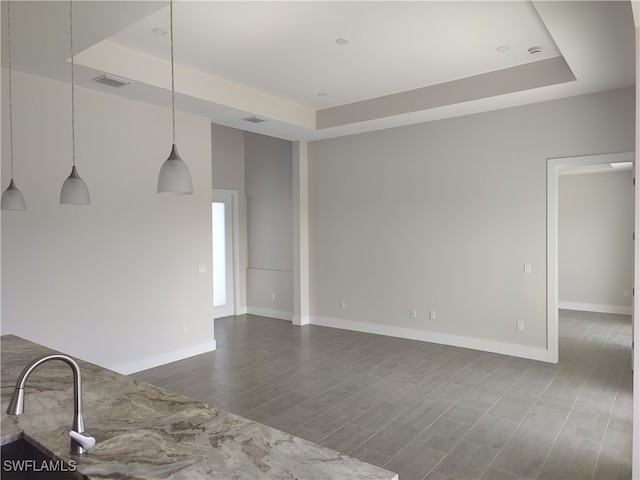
x: 254, y: 119
x: 112, y: 81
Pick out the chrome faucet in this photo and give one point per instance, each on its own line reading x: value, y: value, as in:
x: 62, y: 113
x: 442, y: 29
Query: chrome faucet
x: 80, y: 441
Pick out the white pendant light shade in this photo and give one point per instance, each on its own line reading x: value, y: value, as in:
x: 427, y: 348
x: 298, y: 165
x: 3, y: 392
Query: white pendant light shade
x: 74, y: 191
x: 174, y: 175
x: 12, y: 199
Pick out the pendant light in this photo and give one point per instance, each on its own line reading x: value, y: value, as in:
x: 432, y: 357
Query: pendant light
x: 74, y: 191
x: 174, y: 174
x: 12, y: 199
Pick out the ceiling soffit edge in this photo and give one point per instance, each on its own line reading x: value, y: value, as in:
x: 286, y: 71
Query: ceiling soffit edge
x: 543, y: 73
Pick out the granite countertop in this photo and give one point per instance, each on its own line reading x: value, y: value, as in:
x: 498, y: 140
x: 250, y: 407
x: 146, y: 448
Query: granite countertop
x: 145, y: 432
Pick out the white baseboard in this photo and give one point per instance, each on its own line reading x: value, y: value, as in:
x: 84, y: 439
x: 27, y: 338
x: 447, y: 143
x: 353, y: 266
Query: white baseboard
x: 435, y: 337
x: 267, y: 312
x: 595, y: 307
x: 164, y: 358
x: 298, y: 320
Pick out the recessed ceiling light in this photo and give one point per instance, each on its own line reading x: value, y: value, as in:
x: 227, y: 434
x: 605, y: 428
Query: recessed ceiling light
x: 534, y: 50
x: 322, y: 94
x: 159, y: 31
x: 503, y: 48
x: 342, y: 41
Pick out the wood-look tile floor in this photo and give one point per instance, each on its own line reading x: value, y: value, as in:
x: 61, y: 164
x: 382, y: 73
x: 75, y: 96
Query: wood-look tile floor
x: 423, y: 410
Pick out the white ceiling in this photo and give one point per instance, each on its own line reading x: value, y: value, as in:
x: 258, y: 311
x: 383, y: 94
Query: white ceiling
x: 289, y: 49
x: 405, y: 62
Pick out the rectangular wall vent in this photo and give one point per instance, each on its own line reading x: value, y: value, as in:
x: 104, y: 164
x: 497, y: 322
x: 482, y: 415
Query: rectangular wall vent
x: 254, y: 119
x: 112, y: 81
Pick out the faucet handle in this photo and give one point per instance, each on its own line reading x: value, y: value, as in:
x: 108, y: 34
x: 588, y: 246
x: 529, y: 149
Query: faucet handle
x: 86, y: 441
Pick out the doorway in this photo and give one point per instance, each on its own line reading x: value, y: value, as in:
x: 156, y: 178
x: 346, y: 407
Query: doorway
x: 554, y: 166
x: 224, y: 234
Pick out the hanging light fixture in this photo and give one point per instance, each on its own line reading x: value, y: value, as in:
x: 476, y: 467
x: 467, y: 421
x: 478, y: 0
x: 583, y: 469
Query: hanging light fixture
x: 74, y: 191
x: 174, y: 174
x: 12, y: 199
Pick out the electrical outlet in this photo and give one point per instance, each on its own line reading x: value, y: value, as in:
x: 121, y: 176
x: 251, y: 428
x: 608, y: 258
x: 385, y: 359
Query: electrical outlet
x: 343, y: 305
x: 432, y: 315
x: 413, y: 313
x: 520, y: 326
x: 527, y: 268
x: 185, y: 328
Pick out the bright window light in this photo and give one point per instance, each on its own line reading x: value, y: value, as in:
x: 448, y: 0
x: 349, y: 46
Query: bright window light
x: 219, y: 255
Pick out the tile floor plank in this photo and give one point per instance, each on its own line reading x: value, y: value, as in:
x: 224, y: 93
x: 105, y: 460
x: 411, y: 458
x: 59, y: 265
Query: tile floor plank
x: 425, y: 410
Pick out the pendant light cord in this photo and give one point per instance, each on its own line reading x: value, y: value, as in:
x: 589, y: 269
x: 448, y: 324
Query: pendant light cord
x: 10, y: 93
x: 73, y: 113
x: 173, y: 90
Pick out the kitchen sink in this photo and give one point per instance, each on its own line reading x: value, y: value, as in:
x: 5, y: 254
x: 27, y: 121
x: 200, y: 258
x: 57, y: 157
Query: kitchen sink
x: 23, y: 461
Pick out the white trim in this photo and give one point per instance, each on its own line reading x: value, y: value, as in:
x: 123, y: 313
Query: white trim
x: 436, y: 337
x: 164, y: 358
x: 232, y: 195
x: 298, y: 320
x: 300, y: 164
x: 267, y: 312
x: 595, y: 307
x: 553, y: 168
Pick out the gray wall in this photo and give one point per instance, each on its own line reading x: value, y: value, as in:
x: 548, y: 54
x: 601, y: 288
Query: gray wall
x: 113, y: 282
x: 268, y: 176
x: 595, y: 245
x: 260, y: 169
x: 442, y: 216
x: 228, y: 171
